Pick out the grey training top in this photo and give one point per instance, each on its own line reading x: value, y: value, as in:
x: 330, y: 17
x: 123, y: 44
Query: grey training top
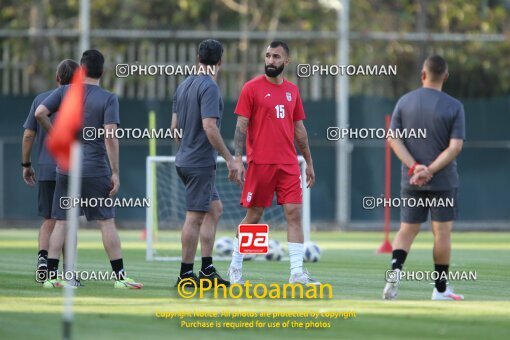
x: 101, y: 108
x: 197, y: 97
x: 45, y: 161
x: 442, y: 116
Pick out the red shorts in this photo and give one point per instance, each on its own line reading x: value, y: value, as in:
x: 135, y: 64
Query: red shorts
x: 263, y: 180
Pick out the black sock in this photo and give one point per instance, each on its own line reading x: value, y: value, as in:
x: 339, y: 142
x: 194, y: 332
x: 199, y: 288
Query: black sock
x: 442, y: 270
x: 186, y: 269
x: 118, y: 269
x: 207, y: 267
x: 52, y: 268
x: 43, y: 254
x: 398, y: 259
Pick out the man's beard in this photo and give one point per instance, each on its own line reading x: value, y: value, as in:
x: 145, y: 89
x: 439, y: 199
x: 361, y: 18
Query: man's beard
x: 273, y: 72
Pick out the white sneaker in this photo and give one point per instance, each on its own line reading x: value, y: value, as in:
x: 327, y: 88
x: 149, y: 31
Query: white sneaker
x: 235, y: 275
x: 448, y: 294
x: 303, y: 279
x: 390, y: 290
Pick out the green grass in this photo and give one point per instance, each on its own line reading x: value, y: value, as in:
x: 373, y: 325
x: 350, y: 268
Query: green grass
x: 349, y: 263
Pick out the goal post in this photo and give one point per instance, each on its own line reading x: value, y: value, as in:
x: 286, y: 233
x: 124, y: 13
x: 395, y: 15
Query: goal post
x: 153, y: 152
x: 167, y: 210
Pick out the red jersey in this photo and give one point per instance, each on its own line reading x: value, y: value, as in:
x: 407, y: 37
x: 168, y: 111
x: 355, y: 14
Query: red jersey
x: 272, y: 110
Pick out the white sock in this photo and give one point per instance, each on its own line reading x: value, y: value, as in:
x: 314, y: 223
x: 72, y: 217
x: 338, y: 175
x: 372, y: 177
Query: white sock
x: 296, y: 252
x: 237, y: 257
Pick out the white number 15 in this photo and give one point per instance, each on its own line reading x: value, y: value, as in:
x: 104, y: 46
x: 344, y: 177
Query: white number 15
x: 280, y: 111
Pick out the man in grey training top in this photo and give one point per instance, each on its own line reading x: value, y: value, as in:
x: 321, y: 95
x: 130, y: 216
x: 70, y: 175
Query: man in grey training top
x: 197, y: 110
x: 429, y: 172
x: 100, y: 110
x: 46, y: 174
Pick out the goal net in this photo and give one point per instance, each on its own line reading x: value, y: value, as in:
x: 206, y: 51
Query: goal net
x: 168, y: 209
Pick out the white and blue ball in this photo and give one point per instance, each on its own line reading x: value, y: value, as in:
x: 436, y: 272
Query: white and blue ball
x: 275, y: 251
x: 312, y: 252
x: 224, y: 246
x: 249, y: 257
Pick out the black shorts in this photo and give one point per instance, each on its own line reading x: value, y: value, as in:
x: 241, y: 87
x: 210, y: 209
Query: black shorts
x: 200, y: 187
x: 443, y: 212
x: 91, y: 187
x: 45, y: 198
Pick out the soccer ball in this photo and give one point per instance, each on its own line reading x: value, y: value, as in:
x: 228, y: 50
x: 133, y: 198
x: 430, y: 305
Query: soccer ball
x: 249, y: 257
x: 275, y: 251
x: 312, y: 252
x: 224, y: 246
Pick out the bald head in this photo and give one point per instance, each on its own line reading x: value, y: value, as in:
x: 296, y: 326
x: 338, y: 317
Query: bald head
x: 436, y: 69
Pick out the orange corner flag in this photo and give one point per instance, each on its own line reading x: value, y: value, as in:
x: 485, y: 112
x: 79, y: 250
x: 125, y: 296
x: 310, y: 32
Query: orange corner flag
x: 68, y: 122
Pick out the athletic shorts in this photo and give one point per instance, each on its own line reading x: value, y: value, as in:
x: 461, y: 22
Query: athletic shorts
x: 439, y: 213
x: 263, y: 180
x: 91, y: 187
x: 200, y: 187
x: 45, y: 198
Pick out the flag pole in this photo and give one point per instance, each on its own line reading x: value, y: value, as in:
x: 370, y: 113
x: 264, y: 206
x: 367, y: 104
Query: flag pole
x: 386, y: 245
x: 70, y: 255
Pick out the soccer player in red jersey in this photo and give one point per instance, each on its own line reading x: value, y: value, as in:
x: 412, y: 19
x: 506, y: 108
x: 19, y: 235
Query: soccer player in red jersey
x: 270, y: 119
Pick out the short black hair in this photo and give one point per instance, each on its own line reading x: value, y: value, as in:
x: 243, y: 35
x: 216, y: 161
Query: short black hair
x: 436, y: 66
x: 210, y: 52
x: 93, y: 61
x: 65, y: 71
x: 276, y: 43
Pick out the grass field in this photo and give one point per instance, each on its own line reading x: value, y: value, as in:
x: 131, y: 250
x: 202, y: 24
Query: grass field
x: 28, y: 311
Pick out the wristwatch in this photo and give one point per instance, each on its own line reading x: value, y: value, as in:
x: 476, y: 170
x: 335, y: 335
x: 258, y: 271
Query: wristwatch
x: 26, y: 165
